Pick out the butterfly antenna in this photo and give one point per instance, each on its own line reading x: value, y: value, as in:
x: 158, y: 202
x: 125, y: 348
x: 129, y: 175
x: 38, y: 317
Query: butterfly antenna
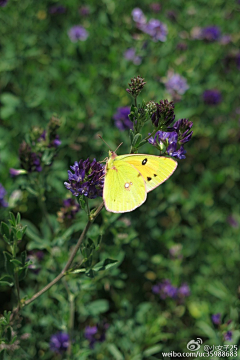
x: 105, y: 142
x: 118, y: 147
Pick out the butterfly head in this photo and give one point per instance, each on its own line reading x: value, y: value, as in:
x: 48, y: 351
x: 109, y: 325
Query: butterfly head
x: 112, y: 155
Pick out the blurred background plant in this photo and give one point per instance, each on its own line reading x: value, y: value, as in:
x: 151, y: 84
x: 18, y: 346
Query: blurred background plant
x: 177, y: 256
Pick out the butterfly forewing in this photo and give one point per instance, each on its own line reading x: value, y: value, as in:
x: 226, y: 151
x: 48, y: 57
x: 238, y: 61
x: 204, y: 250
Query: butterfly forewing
x: 124, y: 188
x: 154, y: 169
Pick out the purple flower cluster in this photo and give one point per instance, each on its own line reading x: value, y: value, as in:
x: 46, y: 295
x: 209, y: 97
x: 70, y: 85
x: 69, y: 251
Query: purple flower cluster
x: 130, y: 54
x: 121, y: 118
x: 86, y: 179
x: 216, y: 319
x: 84, y: 10
x: 54, y: 140
x: 212, y: 97
x: 59, y: 342
x: 166, y: 290
x: 155, y: 28
x: 96, y: 333
x: 77, y: 33
x: 176, y: 84
x: 68, y: 211
x: 3, y: 192
x: 3, y: 3
x: 29, y: 160
x: 32, y: 154
x: 173, y: 141
x: 211, y: 33
x: 164, y: 114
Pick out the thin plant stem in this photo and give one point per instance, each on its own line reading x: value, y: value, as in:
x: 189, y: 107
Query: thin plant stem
x: 71, y: 299
x: 70, y: 260
x: 45, y: 213
x: 16, y: 281
x: 17, y: 288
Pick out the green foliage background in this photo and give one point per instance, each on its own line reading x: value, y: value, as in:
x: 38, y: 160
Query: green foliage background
x: 43, y: 73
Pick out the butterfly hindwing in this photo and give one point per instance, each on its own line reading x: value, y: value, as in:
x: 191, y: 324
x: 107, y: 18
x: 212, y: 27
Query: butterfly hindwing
x: 154, y: 169
x: 124, y: 187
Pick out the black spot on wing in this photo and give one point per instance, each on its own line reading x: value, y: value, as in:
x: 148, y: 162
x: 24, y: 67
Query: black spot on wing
x: 149, y: 178
x: 144, y: 161
x: 155, y: 175
x: 139, y: 174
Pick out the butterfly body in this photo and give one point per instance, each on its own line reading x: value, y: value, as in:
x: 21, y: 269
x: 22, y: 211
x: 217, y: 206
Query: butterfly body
x: 128, y: 179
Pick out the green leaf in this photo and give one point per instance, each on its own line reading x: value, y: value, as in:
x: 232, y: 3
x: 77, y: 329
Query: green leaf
x: 131, y: 134
x: 6, y: 240
x: 104, y: 264
x: 77, y: 271
x: 9, y: 266
x: 18, y: 218
x: 19, y: 235
x: 98, y: 306
x: 22, y: 272
x: 115, y: 352
x: 12, y: 219
x: 4, y: 283
x: 152, y: 350
x: 136, y: 140
x: 5, y: 230
x: 16, y: 262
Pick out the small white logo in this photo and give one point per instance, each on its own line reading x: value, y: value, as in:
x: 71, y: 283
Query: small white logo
x: 194, y: 345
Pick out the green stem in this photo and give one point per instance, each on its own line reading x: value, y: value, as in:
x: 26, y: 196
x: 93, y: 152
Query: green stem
x: 17, y: 287
x: 42, y: 205
x: 71, y: 299
x: 70, y: 260
x: 14, y: 253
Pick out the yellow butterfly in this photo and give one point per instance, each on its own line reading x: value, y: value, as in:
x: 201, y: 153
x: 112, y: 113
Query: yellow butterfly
x: 128, y: 179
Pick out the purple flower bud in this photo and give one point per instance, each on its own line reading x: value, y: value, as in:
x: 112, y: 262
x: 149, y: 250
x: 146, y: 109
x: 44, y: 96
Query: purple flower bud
x: 57, y: 9
x: 3, y: 192
x: 138, y: 16
x: 68, y: 212
x: 176, y: 83
x: 184, y: 291
x: 180, y: 153
x: 212, y: 97
x: 225, y: 39
x: 130, y: 54
x: 59, y: 342
x: 210, y: 33
x: 156, y: 29
x: 182, y: 127
x: 121, y: 118
x: 84, y: 10
x: 155, y: 7
x: 228, y: 336
x: 16, y: 172
x: 96, y: 333
x: 164, y: 114
x: 216, y: 319
x: 77, y: 32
